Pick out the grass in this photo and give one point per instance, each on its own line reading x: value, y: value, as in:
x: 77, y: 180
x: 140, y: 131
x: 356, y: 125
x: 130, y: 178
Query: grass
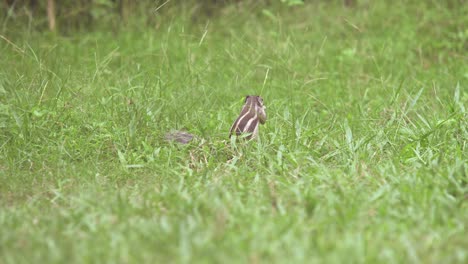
x: 363, y: 158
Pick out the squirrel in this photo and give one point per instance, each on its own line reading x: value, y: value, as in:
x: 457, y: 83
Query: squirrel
x: 246, y: 125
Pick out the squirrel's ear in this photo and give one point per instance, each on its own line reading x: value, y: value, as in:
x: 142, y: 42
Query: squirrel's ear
x: 259, y: 100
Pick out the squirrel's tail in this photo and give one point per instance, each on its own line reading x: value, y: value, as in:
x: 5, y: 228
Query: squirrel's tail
x: 179, y: 136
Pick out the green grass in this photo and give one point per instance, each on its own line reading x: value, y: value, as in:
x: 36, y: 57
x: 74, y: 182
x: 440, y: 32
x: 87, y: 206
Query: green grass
x: 363, y: 158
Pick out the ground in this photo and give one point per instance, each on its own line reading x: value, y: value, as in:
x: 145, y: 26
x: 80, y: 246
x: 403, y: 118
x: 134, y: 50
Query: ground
x: 363, y: 158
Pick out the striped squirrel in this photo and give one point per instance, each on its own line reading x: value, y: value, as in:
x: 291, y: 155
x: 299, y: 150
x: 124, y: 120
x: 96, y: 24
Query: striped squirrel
x: 246, y: 125
x: 253, y: 113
